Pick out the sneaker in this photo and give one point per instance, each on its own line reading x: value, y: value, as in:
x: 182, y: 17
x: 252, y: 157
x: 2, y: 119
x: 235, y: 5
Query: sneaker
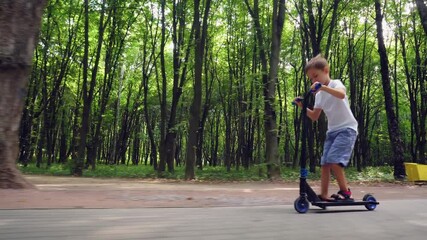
x: 343, y: 196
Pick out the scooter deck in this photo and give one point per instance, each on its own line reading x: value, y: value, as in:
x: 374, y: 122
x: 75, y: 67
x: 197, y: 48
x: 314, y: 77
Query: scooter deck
x: 323, y: 204
x: 314, y: 199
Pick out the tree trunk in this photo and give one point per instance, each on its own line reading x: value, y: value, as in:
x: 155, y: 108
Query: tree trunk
x: 25, y: 138
x: 114, y: 48
x: 205, y: 112
x: 272, y: 158
x: 163, y: 103
x: 79, y: 160
x: 19, y: 26
x: 421, y: 64
x: 168, y: 142
x: 194, y: 122
x: 88, y: 87
x: 226, y: 102
x: 393, y: 125
x: 269, y: 80
x: 411, y: 93
x: 332, y: 27
x: 63, y: 138
x: 363, y: 115
x: 352, y: 77
x: 153, y: 146
x: 422, y: 10
x: 127, y: 126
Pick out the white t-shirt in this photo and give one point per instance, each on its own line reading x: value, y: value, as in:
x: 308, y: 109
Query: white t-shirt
x: 337, y: 110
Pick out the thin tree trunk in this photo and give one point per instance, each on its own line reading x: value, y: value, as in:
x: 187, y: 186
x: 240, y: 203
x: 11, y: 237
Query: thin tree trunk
x: 163, y: 114
x: 421, y: 64
x: 269, y: 80
x: 153, y: 147
x: 115, y: 46
x: 352, y: 78
x: 79, y: 161
x: 272, y: 158
x: 26, y: 139
x: 411, y: 92
x: 332, y: 27
x: 194, y: 122
x: 362, y: 118
x: 168, y: 143
x: 393, y: 125
x: 226, y: 106
x: 88, y: 87
x: 63, y: 138
x: 206, y: 107
x: 422, y: 10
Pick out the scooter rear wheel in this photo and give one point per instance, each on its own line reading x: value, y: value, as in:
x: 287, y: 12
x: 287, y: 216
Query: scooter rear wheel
x: 370, y: 198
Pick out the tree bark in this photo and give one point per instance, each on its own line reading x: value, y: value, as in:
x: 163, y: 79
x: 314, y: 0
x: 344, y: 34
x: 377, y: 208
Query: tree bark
x: 269, y: 78
x: 19, y: 26
x: 205, y: 111
x: 168, y: 142
x: 115, y: 44
x: 163, y: 101
x: 393, y: 125
x: 79, y: 160
x: 421, y: 75
x: 25, y: 138
x: 88, y: 87
x: 422, y: 10
x: 363, y: 116
x: 272, y: 158
x: 194, y: 122
x: 411, y: 91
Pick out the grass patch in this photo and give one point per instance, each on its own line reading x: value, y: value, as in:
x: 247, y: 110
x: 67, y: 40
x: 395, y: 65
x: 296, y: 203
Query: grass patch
x: 371, y: 174
x: 255, y: 173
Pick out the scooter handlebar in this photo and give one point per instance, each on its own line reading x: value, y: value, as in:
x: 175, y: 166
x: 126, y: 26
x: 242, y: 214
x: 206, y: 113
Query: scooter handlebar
x: 299, y: 99
x: 317, y: 86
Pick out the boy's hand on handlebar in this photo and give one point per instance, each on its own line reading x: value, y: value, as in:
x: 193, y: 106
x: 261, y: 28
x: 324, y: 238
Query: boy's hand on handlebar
x: 315, y: 87
x: 297, y: 101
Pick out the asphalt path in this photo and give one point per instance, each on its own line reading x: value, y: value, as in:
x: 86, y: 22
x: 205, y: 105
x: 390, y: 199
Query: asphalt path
x: 79, y: 208
x: 392, y: 219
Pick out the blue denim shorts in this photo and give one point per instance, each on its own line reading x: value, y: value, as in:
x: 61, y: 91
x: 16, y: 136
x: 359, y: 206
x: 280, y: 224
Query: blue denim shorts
x: 338, y: 147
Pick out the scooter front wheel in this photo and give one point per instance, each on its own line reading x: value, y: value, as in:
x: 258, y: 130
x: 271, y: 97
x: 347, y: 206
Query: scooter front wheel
x: 301, y: 205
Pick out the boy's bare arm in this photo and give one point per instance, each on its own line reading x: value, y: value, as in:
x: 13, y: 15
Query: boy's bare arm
x: 336, y: 92
x: 314, y: 114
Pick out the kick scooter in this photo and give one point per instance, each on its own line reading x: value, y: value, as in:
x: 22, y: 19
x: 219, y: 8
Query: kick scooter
x: 307, y: 194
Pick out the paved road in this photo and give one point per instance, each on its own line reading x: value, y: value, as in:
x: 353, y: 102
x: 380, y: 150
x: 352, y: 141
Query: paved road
x: 393, y: 219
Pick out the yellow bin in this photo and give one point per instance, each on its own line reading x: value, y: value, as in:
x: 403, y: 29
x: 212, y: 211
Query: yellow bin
x: 416, y: 172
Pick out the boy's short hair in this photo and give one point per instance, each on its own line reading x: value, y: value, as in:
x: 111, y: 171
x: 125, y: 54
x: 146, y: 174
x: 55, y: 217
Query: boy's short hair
x: 318, y: 62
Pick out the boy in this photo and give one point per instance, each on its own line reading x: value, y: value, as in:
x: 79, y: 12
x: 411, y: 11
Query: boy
x: 342, y: 127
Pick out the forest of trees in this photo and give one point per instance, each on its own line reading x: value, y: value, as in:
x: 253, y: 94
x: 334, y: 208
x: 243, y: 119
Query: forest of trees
x: 209, y: 83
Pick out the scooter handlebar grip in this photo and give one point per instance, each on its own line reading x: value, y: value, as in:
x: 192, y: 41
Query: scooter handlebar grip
x: 298, y: 99
x: 316, y: 87
x: 303, y: 172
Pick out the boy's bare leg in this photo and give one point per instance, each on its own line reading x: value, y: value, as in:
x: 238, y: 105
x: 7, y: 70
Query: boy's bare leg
x: 340, y: 176
x: 324, y: 181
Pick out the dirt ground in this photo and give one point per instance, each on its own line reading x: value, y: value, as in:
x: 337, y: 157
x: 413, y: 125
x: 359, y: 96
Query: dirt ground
x: 73, y: 192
